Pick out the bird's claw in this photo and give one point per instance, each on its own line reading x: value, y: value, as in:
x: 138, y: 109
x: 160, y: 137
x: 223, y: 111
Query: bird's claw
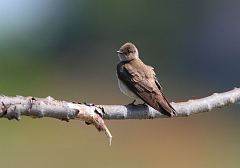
x: 132, y: 104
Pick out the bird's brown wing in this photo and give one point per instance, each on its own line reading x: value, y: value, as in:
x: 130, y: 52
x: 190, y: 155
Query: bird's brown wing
x: 141, y: 80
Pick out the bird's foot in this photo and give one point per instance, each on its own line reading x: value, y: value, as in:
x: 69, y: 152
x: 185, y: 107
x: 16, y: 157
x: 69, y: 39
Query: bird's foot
x: 133, y: 103
x: 144, y: 104
x: 137, y: 103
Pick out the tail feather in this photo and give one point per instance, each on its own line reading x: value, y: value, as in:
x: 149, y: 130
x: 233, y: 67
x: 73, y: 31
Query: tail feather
x: 165, y: 112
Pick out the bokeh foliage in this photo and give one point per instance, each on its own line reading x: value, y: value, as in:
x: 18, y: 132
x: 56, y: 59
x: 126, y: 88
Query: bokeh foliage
x: 66, y: 49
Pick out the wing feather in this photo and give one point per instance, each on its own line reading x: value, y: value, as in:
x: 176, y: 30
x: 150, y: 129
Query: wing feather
x: 141, y: 80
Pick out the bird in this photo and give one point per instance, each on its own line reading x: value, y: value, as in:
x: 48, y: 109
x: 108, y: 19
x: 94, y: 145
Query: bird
x: 138, y: 80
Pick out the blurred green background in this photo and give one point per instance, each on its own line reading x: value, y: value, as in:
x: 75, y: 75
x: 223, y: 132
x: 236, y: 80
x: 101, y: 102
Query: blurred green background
x: 66, y: 49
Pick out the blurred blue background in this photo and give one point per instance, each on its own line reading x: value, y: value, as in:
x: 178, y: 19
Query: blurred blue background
x: 66, y: 49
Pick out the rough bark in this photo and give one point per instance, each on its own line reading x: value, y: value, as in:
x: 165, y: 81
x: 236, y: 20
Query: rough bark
x: 15, y: 107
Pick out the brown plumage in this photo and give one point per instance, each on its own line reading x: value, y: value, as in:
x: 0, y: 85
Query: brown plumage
x: 141, y: 80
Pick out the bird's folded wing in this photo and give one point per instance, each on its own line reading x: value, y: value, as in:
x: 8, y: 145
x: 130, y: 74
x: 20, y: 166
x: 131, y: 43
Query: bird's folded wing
x: 144, y: 84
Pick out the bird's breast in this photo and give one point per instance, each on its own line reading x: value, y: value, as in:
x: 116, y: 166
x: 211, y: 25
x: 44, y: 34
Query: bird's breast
x: 125, y: 90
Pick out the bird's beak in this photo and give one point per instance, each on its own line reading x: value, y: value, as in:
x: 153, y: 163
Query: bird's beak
x: 119, y: 52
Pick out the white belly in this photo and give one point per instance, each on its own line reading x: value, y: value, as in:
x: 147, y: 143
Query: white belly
x: 126, y: 90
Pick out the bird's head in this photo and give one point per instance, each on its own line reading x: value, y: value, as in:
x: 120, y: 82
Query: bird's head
x: 128, y: 52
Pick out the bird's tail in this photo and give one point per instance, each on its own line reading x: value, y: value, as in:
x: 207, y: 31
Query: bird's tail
x: 168, y: 110
x: 168, y: 113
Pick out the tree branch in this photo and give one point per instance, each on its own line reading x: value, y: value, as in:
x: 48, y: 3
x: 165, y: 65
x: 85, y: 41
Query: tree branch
x: 14, y: 107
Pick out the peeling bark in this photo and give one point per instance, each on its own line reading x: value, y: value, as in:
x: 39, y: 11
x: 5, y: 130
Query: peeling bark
x: 15, y: 107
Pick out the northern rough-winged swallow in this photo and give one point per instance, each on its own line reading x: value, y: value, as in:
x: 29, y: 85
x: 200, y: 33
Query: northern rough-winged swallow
x: 138, y: 80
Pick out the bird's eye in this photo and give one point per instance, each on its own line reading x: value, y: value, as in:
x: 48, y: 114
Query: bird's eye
x: 129, y: 51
